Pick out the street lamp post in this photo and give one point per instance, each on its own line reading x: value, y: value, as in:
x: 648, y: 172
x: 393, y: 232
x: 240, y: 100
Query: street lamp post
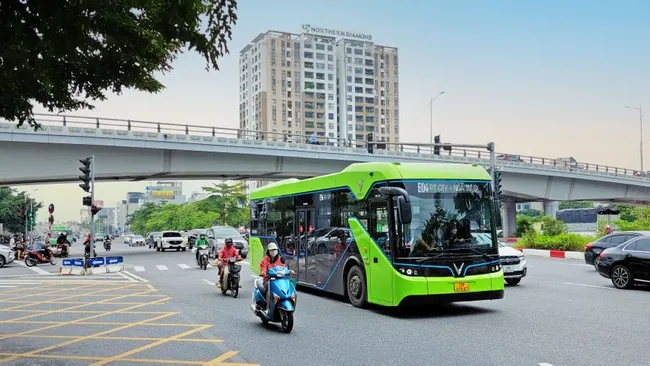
x: 431, y: 116
x: 640, y: 109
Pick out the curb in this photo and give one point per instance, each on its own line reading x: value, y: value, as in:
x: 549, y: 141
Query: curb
x: 552, y: 253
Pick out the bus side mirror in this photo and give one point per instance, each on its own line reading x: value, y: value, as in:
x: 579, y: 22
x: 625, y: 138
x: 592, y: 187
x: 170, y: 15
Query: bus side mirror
x: 404, y: 210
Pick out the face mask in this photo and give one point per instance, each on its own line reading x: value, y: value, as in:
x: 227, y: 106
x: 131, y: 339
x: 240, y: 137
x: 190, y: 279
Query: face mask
x: 273, y: 252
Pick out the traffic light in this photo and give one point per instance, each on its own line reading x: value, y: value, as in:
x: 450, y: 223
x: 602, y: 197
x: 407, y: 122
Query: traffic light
x: 436, y: 149
x: 87, y: 201
x: 94, y: 210
x: 371, y: 145
x: 87, y: 174
x: 31, y: 218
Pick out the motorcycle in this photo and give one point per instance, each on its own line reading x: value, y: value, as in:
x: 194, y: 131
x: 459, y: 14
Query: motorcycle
x: 203, y: 257
x: 61, y: 250
x: 107, y: 245
x: 283, y: 299
x: 232, y: 282
x: 33, y: 257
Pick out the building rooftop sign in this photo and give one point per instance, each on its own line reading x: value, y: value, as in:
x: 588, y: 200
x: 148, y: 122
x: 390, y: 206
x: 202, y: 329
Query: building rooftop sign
x: 308, y: 28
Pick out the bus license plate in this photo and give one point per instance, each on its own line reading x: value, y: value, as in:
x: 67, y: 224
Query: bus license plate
x: 461, y: 286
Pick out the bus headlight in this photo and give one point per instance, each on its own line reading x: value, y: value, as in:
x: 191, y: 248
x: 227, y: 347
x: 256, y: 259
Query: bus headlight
x: 408, y: 271
x: 495, y: 267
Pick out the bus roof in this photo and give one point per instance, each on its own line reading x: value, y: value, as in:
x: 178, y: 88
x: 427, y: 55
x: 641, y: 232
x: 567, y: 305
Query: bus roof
x: 359, y: 177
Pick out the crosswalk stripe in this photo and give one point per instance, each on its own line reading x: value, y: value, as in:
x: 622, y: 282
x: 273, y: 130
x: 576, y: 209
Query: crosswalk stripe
x: 162, y: 267
x: 183, y: 266
x: 138, y: 268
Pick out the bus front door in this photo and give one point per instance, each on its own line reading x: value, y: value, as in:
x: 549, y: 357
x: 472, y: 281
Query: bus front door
x: 306, y: 259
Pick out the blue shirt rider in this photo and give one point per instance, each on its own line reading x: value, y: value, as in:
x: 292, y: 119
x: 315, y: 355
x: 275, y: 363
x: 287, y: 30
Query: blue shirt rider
x: 312, y: 139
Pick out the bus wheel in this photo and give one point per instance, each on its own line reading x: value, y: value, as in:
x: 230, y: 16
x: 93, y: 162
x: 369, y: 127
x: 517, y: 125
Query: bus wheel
x: 356, y: 287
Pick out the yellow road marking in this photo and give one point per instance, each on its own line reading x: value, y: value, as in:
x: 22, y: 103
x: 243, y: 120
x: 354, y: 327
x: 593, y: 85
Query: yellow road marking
x: 87, y: 318
x: 79, y: 339
x: 151, y: 345
x: 30, y: 303
x: 198, y: 340
x: 222, y: 358
x: 69, y: 297
x: 66, y: 322
x: 36, y: 294
x: 84, y: 311
x: 137, y: 360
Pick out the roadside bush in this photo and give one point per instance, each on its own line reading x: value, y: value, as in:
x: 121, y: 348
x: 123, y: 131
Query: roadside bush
x: 552, y: 226
x: 565, y: 241
x: 524, y: 225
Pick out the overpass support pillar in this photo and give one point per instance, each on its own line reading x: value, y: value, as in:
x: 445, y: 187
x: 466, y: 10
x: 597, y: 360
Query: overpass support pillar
x: 509, y: 218
x: 551, y: 208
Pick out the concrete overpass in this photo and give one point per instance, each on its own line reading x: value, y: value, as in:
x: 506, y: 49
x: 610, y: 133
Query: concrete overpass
x: 139, y: 150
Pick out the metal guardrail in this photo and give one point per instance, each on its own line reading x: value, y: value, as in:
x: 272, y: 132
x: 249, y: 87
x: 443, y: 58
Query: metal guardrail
x: 420, y: 148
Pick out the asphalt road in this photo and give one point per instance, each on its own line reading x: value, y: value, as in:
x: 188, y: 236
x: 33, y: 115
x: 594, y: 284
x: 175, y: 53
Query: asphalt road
x: 563, y: 313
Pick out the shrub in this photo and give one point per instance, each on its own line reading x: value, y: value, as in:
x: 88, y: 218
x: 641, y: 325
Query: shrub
x: 565, y: 241
x: 552, y: 226
x: 524, y: 225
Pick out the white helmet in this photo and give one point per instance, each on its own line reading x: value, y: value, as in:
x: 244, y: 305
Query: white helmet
x: 272, y: 246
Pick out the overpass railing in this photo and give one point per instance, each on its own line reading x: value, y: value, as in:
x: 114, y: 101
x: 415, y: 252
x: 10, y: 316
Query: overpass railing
x: 418, y: 148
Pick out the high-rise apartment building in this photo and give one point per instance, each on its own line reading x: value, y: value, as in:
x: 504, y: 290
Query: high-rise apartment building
x: 339, y: 86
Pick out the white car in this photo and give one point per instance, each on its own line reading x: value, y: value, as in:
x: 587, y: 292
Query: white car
x: 171, y: 240
x: 514, y: 264
x: 136, y: 240
x: 7, y: 255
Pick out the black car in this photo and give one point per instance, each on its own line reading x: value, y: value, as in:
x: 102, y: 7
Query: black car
x: 627, y: 264
x: 593, y: 250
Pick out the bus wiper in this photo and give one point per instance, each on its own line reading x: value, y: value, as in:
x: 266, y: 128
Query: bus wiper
x: 476, y: 251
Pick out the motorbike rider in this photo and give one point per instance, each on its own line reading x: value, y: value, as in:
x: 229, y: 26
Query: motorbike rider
x: 227, y: 252
x: 270, y: 260
x: 200, y: 243
x: 88, y: 250
x: 63, y: 241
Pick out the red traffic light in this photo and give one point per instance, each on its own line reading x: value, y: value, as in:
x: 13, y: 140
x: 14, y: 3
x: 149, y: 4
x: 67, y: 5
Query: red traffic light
x: 51, y: 219
x: 50, y: 208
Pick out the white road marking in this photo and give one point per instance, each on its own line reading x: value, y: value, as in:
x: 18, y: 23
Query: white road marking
x: 246, y: 262
x: 162, y: 267
x: 208, y: 282
x: 36, y: 269
x: 210, y: 266
x: 585, y: 285
x: 183, y: 266
x: 131, y: 279
x: 545, y: 364
x: 138, y: 268
x: 6, y: 286
x: 135, y: 276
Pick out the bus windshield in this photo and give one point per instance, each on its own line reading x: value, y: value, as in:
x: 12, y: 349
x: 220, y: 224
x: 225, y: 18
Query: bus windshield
x: 449, y: 216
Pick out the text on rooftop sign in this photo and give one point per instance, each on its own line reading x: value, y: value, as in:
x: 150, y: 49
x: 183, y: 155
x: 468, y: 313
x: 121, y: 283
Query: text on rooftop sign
x: 335, y: 33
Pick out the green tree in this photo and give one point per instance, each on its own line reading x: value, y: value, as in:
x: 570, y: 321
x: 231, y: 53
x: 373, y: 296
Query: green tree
x: 63, y: 54
x: 566, y: 205
x: 231, y: 203
x: 10, y: 202
x: 531, y: 212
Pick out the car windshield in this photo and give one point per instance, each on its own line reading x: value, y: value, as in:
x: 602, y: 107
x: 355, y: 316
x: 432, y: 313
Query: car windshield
x: 200, y: 232
x: 450, y: 215
x: 226, y: 232
x: 137, y: 237
x: 171, y: 235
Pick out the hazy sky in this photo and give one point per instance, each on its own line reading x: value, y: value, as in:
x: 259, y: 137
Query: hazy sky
x: 543, y: 78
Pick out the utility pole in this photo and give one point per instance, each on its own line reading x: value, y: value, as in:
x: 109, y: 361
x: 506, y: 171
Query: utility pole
x: 640, y: 109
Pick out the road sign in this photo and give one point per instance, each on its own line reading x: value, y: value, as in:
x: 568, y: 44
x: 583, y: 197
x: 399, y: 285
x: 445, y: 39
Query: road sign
x: 114, y: 260
x: 50, y: 208
x: 67, y: 262
x: 73, y: 262
x: 96, y: 261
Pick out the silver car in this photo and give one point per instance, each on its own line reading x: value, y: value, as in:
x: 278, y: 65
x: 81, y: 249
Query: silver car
x: 217, y: 236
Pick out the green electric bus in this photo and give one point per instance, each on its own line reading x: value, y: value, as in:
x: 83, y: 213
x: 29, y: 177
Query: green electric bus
x: 57, y: 230
x: 385, y: 233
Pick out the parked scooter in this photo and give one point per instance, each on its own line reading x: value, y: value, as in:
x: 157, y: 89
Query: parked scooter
x: 283, y: 298
x: 107, y: 245
x: 232, y: 282
x: 33, y: 257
